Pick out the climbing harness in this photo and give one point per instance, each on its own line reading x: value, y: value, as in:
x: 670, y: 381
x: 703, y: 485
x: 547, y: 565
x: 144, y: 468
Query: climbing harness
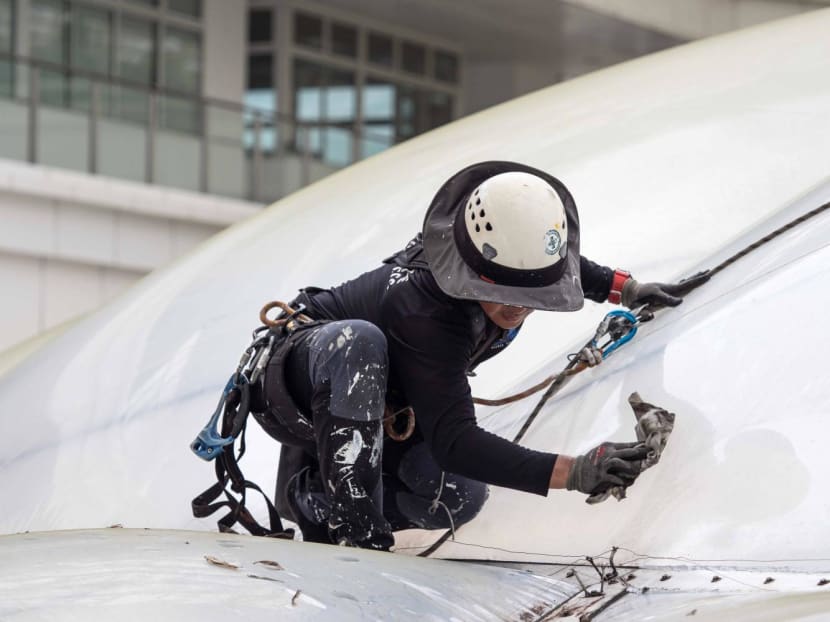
x: 215, y: 442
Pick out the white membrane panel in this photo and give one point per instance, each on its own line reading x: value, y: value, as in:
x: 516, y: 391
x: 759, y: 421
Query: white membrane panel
x: 670, y: 158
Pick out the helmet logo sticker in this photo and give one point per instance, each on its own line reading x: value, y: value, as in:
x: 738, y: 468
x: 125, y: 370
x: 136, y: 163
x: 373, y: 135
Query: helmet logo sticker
x: 553, y: 242
x: 488, y: 251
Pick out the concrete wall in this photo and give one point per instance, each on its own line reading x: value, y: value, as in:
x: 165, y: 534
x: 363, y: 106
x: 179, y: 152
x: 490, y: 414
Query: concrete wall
x: 69, y: 242
x: 694, y: 19
x: 573, y: 40
x: 224, y: 45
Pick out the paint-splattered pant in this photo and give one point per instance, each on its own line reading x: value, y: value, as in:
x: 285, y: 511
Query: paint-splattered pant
x: 347, y: 367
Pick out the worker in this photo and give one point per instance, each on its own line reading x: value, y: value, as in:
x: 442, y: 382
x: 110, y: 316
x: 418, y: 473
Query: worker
x: 499, y: 240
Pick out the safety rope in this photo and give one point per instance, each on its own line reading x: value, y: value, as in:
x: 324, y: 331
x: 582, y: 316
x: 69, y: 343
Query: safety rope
x: 437, y: 502
x: 644, y: 314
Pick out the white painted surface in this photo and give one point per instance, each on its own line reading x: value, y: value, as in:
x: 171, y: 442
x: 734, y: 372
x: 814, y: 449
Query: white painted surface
x: 670, y: 159
x: 21, y: 304
x: 70, y: 242
x: 136, y: 574
x: 139, y: 575
x: 86, y: 233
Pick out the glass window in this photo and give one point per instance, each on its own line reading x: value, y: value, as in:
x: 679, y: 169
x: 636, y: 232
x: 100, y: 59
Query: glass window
x: 261, y: 127
x: 46, y: 30
x: 193, y: 8
x: 409, y: 113
x: 6, y: 26
x: 128, y: 104
x: 181, y: 57
x: 180, y: 114
x: 89, y: 38
x: 413, y: 58
x: 264, y: 100
x: 446, y: 66
x: 48, y: 43
x: 381, y: 49
x: 6, y: 47
x: 134, y: 49
x: 259, y: 25
x: 378, y: 130
x: 260, y: 71
x: 145, y: 2
x: 327, y: 96
x: 344, y: 40
x: 438, y: 110
x: 308, y: 85
x: 308, y: 30
x: 340, y: 97
x: 378, y: 100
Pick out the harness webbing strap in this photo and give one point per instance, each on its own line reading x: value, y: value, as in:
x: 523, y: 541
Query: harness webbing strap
x: 234, y: 418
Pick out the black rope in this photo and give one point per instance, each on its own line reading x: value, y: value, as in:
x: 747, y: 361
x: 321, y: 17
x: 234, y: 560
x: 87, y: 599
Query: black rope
x: 767, y: 238
x: 646, y: 312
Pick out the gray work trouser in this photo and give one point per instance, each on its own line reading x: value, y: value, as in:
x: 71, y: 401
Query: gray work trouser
x: 349, y: 494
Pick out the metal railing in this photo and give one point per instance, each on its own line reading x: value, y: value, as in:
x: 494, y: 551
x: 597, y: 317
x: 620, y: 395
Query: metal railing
x: 54, y: 115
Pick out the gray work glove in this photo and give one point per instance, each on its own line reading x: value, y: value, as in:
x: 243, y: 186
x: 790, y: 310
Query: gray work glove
x: 590, y: 355
x: 606, y: 466
x: 658, y: 295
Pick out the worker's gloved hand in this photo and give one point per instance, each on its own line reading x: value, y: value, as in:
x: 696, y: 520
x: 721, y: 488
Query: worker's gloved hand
x: 605, y: 466
x: 635, y: 293
x: 590, y: 355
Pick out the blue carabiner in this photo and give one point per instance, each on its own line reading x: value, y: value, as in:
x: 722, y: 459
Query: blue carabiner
x: 616, y: 343
x: 209, y: 443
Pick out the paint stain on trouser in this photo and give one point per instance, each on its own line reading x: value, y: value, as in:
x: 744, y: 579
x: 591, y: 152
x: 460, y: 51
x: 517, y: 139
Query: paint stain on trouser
x: 347, y: 366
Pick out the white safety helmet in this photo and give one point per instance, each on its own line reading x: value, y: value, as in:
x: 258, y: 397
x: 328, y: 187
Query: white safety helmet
x: 505, y: 232
x: 517, y: 220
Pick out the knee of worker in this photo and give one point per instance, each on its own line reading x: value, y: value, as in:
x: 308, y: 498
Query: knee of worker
x: 349, y: 357
x: 437, y: 499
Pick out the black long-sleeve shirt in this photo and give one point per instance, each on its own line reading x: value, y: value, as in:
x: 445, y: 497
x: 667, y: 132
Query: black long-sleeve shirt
x: 433, y: 341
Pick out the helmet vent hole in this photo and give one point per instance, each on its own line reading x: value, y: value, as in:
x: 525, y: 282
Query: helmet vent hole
x: 478, y: 229
x: 473, y: 216
x: 481, y: 213
x: 478, y: 201
x: 488, y: 226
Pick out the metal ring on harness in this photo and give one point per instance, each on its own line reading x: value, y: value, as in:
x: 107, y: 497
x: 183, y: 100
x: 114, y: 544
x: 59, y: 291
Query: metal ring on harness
x: 390, y: 418
x: 289, y: 314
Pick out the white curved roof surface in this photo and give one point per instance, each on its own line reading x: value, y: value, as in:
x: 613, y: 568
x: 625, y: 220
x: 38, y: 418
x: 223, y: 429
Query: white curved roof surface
x: 675, y: 161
